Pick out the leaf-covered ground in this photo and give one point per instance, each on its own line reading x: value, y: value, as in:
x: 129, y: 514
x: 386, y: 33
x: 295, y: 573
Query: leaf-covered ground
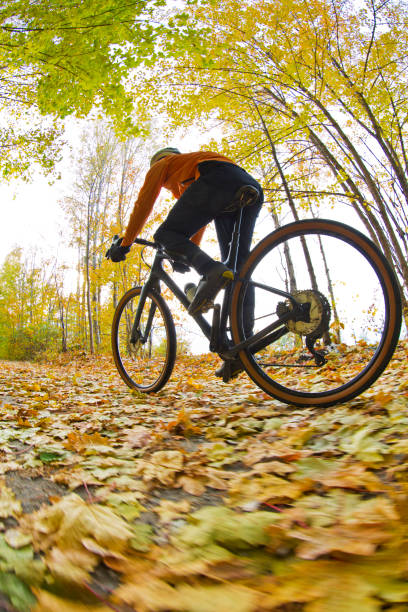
x: 206, y: 497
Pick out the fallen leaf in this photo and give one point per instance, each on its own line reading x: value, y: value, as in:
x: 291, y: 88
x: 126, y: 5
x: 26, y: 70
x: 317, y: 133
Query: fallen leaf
x: 169, y: 510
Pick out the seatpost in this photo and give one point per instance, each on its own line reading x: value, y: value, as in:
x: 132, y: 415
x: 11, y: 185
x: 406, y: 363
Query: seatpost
x: 234, y: 244
x: 231, y: 262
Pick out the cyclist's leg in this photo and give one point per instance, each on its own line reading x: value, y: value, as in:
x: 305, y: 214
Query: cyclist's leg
x: 204, y: 200
x: 190, y: 213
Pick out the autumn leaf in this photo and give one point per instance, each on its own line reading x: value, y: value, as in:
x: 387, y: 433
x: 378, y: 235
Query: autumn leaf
x: 138, y: 437
x: 337, y: 473
x: 162, y: 466
x: 9, y: 506
x: 158, y: 595
x: 345, y: 508
x: 264, y: 488
x: 334, y: 585
x: 168, y: 510
x: 194, y: 486
x: 18, y: 592
x: 183, y: 425
x: 81, y: 442
x: 16, y: 538
x: 224, y: 527
x: 62, y: 530
x: 222, y: 597
x: 47, y: 602
x: 355, y: 540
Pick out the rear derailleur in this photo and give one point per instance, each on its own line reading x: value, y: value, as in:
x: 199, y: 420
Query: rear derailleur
x: 311, y: 319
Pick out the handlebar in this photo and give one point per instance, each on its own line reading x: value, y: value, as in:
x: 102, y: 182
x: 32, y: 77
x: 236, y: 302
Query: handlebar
x: 117, y: 241
x: 178, y: 266
x: 144, y: 242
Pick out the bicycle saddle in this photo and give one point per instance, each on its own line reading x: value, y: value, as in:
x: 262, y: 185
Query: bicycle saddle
x: 245, y: 196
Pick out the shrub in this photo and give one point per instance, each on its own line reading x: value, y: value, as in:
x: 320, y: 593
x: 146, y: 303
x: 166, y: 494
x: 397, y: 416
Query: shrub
x: 31, y: 343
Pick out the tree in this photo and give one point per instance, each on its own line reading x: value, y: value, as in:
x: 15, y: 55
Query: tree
x: 87, y: 210
x: 62, y: 58
x: 107, y: 174
x: 320, y: 86
x: 30, y: 304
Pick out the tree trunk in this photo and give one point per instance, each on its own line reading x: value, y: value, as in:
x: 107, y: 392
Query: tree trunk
x: 288, y: 267
x: 88, y: 280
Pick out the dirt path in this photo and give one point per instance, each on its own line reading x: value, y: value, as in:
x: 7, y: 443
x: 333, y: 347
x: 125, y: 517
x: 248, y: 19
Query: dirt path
x: 204, y: 497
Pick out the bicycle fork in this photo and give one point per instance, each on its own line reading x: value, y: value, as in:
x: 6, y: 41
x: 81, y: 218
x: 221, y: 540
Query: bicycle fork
x: 136, y: 332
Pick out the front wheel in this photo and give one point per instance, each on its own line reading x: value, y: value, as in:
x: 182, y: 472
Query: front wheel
x: 147, y: 362
x: 352, y: 313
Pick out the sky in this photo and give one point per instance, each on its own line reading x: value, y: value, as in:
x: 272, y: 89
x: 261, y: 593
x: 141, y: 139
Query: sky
x: 30, y: 212
x: 30, y: 215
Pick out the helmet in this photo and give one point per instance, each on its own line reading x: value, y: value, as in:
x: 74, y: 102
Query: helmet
x: 163, y: 153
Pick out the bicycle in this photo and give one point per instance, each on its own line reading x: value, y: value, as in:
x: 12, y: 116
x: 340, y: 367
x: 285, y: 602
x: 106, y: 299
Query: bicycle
x: 327, y: 309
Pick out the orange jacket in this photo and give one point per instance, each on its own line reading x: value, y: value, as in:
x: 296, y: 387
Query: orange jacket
x: 175, y: 173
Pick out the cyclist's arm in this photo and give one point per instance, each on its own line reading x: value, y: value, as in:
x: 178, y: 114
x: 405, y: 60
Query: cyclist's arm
x: 144, y: 203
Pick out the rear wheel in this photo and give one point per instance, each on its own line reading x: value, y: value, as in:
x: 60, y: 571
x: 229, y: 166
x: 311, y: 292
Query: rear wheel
x: 147, y: 363
x: 353, y: 313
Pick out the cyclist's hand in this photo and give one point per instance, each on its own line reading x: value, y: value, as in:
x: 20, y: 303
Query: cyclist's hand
x: 180, y: 267
x: 116, y: 251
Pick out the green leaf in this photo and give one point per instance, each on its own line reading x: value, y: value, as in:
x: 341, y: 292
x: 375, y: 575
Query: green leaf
x: 50, y: 456
x: 21, y: 561
x: 224, y: 527
x: 19, y: 594
x: 142, y: 537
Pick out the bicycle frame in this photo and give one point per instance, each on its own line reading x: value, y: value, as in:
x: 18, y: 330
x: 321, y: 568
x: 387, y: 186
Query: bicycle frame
x: 217, y: 332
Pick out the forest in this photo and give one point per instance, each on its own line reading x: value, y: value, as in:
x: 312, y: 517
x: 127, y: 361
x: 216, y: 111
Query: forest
x: 318, y: 118
x: 284, y: 489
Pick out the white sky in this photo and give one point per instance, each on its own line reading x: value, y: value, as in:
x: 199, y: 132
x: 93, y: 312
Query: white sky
x: 30, y: 215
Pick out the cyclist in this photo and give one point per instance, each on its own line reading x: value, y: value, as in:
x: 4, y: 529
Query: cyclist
x: 204, y: 183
